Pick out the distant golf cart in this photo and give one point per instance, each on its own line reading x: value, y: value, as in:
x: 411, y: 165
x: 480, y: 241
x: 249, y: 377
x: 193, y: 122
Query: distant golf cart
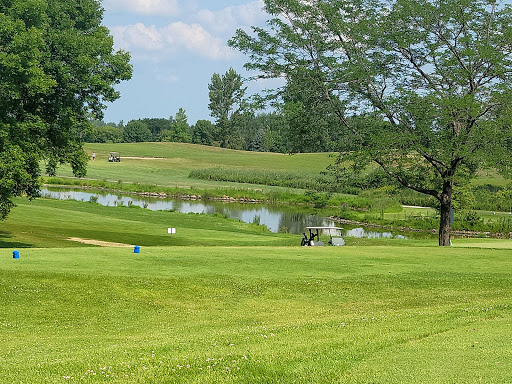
x: 114, y: 157
x: 313, y: 240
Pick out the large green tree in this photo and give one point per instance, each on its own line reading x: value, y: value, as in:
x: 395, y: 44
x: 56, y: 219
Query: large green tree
x: 57, y: 70
x: 203, y: 132
x: 226, y: 93
x: 136, y: 132
x: 179, y: 131
x: 157, y: 126
x: 432, y: 78
x: 99, y: 132
x: 180, y: 128
x: 312, y: 125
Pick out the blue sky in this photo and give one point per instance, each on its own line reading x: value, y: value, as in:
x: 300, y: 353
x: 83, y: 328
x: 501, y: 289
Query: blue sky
x: 176, y: 47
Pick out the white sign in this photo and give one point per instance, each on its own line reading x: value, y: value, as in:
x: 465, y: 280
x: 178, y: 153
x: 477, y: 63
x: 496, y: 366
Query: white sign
x: 171, y: 230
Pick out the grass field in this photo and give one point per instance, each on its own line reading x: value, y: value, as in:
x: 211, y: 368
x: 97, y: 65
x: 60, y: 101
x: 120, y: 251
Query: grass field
x: 222, y: 301
x: 257, y: 315
x: 50, y: 223
x: 169, y: 164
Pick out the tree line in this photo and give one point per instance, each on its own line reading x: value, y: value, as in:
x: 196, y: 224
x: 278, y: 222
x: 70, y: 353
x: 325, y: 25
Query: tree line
x: 299, y: 125
x: 264, y: 132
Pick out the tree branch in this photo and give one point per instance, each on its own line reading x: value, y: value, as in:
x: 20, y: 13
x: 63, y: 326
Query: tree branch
x: 402, y: 181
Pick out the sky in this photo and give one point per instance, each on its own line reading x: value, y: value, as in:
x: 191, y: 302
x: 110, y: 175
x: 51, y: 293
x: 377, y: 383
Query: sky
x: 176, y: 47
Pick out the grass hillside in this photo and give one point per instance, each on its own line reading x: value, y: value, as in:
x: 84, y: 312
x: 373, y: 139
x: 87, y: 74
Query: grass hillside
x: 256, y: 315
x: 50, y: 223
x: 169, y: 164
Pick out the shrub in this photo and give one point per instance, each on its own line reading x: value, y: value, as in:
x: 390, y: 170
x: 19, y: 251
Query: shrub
x: 283, y: 179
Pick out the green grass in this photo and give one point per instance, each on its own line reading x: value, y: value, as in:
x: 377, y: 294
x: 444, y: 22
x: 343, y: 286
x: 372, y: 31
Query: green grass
x: 227, y: 302
x: 280, y: 178
x: 169, y: 164
x: 49, y: 223
x: 490, y: 177
x: 256, y: 315
x: 159, y: 165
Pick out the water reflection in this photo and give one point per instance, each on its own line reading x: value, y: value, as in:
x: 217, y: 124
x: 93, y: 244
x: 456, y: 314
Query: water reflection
x: 366, y: 234
x: 276, y: 218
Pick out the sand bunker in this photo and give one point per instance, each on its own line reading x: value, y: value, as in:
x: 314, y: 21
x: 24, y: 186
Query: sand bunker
x: 98, y: 242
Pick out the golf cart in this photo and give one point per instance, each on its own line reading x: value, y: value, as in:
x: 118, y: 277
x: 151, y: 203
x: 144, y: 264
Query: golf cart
x: 314, y: 236
x: 114, y: 157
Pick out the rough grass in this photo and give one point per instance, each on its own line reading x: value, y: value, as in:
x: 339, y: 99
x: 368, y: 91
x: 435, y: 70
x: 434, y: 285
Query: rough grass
x: 256, y: 315
x: 281, y: 178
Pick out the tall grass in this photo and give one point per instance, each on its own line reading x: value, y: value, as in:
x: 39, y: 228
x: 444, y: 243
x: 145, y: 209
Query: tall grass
x: 300, y: 180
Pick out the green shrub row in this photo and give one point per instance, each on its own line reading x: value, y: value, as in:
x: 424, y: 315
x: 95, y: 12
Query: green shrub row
x: 281, y: 179
x: 153, y: 188
x: 312, y: 198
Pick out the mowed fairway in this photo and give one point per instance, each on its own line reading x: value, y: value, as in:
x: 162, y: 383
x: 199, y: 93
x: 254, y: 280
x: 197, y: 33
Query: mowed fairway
x: 222, y: 301
x: 51, y: 223
x: 256, y: 315
x: 169, y: 164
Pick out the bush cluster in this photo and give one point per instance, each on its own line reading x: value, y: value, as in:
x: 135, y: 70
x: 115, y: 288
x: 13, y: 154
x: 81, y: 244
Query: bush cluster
x: 281, y: 179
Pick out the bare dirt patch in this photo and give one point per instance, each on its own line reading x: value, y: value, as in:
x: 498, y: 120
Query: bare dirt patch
x: 99, y: 242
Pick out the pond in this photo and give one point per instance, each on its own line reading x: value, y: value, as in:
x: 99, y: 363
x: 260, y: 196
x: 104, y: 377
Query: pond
x: 277, y: 218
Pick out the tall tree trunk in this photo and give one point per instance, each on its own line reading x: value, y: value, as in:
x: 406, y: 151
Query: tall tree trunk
x: 445, y: 199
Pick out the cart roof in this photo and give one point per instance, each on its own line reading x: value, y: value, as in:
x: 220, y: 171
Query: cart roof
x: 324, y: 228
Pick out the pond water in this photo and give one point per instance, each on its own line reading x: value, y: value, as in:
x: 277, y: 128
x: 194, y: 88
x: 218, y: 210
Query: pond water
x: 276, y: 218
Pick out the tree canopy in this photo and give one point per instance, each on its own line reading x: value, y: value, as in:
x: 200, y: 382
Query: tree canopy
x: 431, y: 80
x: 226, y: 104
x: 57, y: 70
x: 180, y: 128
x: 136, y: 131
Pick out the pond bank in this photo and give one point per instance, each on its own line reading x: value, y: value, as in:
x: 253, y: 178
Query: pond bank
x: 457, y: 233
x: 277, y: 218
x: 206, y: 197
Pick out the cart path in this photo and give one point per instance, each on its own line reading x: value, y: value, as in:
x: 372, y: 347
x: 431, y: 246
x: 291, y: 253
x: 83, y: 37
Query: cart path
x: 98, y: 242
x: 143, y: 157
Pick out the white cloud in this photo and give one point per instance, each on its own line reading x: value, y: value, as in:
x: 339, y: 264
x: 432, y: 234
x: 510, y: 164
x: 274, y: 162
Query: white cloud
x: 196, y: 39
x: 145, y: 7
x: 231, y: 18
x: 142, y: 40
x: 137, y: 36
